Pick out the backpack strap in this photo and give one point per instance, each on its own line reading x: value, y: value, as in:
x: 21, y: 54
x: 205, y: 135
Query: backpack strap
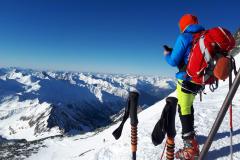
x: 197, y: 36
x: 214, y: 86
x: 201, y: 92
x: 204, y: 49
x: 182, y: 66
x: 233, y: 65
x: 200, y: 96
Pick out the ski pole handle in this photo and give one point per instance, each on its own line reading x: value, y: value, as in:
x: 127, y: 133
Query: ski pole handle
x: 134, y: 141
x: 133, y: 98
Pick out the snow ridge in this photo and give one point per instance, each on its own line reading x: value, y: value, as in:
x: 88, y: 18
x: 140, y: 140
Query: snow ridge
x: 38, y: 104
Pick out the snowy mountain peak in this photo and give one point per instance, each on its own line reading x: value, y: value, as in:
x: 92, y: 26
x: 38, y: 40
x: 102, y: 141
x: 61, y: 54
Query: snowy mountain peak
x: 37, y: 104
x: 236, y: 50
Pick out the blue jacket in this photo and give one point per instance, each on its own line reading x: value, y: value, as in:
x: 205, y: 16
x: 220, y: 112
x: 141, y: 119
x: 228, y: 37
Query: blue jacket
x: 182, y: 49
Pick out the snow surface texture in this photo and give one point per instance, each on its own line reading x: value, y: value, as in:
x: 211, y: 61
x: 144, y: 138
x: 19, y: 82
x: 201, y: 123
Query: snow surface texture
x: 35, y: 104
x: 99, y: 145
x: 102, y: 145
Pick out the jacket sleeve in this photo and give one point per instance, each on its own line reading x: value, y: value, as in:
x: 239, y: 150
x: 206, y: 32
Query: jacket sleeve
x: 177, y: 55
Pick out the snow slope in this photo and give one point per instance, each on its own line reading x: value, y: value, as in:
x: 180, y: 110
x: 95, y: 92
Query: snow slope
x: 38, y: 104
x: 102, y: 145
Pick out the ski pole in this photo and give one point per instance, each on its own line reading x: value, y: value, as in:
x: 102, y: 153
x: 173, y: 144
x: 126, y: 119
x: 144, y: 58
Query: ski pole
x: 134, y: 122
x: 230, y: 113
x: 170, y: 148
x: 220, y: 116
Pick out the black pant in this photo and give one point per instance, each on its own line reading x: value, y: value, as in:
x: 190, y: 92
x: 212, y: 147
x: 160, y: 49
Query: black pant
x: 187, y: 121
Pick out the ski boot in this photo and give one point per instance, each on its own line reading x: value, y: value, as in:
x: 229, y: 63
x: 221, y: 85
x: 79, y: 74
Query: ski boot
x: 190, y: 150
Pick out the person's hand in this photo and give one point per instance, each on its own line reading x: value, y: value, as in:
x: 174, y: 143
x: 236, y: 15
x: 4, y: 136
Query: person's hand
x: 165, y: 52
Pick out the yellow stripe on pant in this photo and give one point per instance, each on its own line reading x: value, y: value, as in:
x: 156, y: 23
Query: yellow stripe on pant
x: 185, y: 100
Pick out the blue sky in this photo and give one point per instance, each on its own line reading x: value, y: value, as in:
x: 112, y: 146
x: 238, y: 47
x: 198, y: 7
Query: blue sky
x: 117, y: 36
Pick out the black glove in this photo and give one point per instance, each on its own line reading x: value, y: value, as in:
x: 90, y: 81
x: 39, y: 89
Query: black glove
x: 168, y: 49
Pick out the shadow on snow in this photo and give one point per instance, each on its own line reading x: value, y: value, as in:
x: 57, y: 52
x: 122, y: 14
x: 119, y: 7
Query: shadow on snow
x: 224, y: 151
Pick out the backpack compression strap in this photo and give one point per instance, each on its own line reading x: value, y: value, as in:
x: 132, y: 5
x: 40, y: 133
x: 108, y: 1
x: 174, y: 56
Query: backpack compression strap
x: 196, y: 36
x: 204, y: 50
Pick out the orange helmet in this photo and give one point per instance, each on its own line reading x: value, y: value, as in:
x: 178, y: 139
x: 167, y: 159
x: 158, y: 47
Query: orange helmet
x: 187, y: 20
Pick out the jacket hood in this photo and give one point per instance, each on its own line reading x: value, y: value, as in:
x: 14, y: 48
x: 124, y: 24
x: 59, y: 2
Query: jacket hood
x: 187, y: 20
x: 194, y: 28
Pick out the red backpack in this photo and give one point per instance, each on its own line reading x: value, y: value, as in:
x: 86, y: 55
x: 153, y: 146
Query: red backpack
x: 208, y: 48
